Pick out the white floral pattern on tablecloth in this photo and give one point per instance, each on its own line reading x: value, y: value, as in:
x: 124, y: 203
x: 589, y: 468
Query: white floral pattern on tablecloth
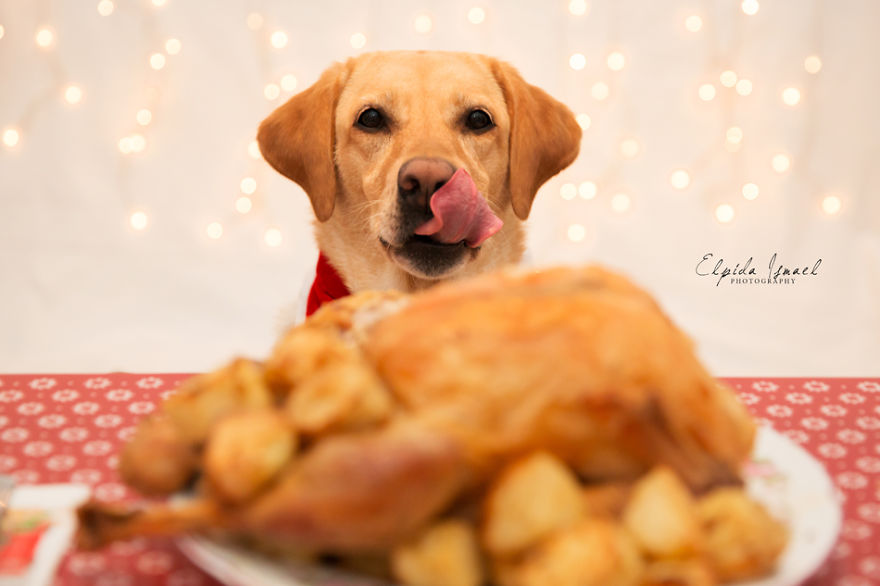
x: 68, y: 428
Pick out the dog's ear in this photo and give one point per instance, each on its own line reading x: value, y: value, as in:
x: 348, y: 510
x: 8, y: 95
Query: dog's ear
x: 544, y: 136
x: 297, y: 139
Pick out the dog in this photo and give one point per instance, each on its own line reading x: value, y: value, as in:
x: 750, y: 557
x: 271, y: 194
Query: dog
x: 420, y: 166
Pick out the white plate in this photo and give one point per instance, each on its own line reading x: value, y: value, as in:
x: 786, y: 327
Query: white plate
x: 782, y: 476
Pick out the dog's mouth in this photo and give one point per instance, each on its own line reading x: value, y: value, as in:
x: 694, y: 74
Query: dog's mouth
x: 428, y: 258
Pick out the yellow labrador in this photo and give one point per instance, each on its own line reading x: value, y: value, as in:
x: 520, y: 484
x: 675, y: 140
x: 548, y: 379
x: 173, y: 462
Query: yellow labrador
x: 420, y: 166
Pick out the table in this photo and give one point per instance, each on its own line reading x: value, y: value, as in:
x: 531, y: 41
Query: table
x: 67, y: 428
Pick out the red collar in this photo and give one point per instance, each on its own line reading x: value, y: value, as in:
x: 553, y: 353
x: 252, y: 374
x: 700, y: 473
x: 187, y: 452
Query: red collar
x: 328, y: 286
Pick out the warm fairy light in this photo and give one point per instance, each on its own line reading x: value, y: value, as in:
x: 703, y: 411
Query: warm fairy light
x: 734, y: 135
x: 243, y: 204
x: 159, y: 3
x: 831, y: 204
x: 728, y: 78
x: 693, y: 23
x: 620, y: 202
x: 254, y: 150
x: 423, y: 24
x: 791, y: 96
x: 105, y: 7
x: 781, y: 162
x: 744, y: 87
x: 44, y: 38
x: 125, y: 145
x: 600, y: 90
x: 272, y: 237
x: 11, y: 136
x: 812, y: 64
x: 358, y: 40
x: 707, y: 92
x: 254, y: 20
x: 750, y: 7
x: 172, y: 46
x: 577, y: 61
x: 2, y: 31
x: 724, y: 213
x: 157, y: 61
x: 750, y: 191
x: 73, y: 94
x: 476, y: 15
x: 576, y: 233
x: 248, y: 185
x: 587, y: 190
x: 583, y: 120
x: 616, y: 61
x: 630, y: 147
x: 138, y: 220
x: 143, y: 117
x: 680, y: 179
x: 271, y: 91
x: 214, y: 230
x: 138, y: 143
x: 578, y: 7
x: 278, y: 39
x: 288, y: 82
x: 568, y: 191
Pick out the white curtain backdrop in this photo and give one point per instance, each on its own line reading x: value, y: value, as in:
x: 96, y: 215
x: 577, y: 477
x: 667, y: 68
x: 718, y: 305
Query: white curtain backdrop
x: 111, y: 260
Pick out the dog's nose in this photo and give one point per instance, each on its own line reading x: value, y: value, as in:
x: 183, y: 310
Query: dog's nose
x: 419, y: 178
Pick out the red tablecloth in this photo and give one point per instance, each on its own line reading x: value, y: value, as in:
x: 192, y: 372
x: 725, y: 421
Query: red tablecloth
x: 67, y: 428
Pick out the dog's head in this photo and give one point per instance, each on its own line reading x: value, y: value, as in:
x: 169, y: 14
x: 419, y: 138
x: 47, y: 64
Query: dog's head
x: 421, y: 155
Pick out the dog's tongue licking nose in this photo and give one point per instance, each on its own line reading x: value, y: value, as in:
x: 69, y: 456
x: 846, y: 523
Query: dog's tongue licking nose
x: 460, y: 213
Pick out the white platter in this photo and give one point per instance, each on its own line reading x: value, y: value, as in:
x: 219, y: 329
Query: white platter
x: 782, y: 476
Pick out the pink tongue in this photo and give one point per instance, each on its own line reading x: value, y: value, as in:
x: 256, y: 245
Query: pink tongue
x: 460, y: 213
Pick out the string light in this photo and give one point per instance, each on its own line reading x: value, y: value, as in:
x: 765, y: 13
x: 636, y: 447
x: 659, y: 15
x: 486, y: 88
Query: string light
x: 587, y: 190
x: 744, y: 87
x: 728, y: 78
x: 750, y: 191
x: 73, y: 95
x: 243, y: 204
x: 124, y: 145
x: 358, y: 40
x: 105, y: 7
x: 11, y: 136
x: 791, y: 96
x: 278, y: 39
x: 576, y: 233
x: 616, y: 61
x: 781, y: 162
x: 172, y: 46
x: 578, y: 7
x: 254, y: 150
x: 157, y: 61
x: 138, y: 220
x: 813, y: 64
x: 248, y: 185
x: 750, y: 7
x: 144, y: 117
x: 273, y: 237
x: 693, y: 23
x: 2, y: 31
x: 724, y: 213
x: 214, y: 230
x: 630, y: 148
x: 584, y: 121
x: 254, y: 21
x: 707, y: 92
x: 577, y: 61
x: 44, y: 38
x: 600, y: 90
x: 734, y: 135
x: 568, y: 191
x: 476, y: 15
x: 620, y: 202
x: 288, y: 82
x: 831, y: 204
x: 271, y: 91
x: 680, y: 179
x: 423, y: 24
x: 159, y: 3
x: 138, y: 143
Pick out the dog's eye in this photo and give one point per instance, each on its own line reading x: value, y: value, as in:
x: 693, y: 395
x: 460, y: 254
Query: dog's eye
x: 478, y: 120
x: 371, y: 119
